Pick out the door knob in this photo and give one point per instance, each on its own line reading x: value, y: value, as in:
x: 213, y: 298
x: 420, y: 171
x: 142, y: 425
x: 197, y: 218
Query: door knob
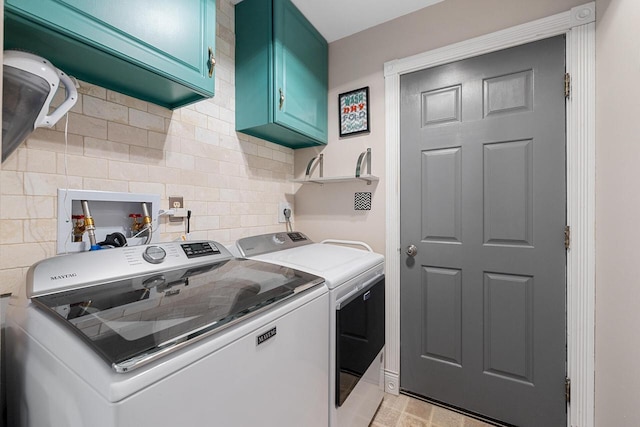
x: 412, y: 250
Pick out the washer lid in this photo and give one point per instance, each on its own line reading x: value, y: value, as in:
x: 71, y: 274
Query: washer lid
x: 130, y: 322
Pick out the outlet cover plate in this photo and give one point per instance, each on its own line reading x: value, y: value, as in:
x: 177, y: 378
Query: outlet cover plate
x: 175, y: 202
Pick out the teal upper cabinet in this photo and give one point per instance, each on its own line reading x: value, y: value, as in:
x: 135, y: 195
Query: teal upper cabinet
x: 155, y: 50
x: 281, y: 74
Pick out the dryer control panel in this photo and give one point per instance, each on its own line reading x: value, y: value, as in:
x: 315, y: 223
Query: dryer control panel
x: 265, y: 243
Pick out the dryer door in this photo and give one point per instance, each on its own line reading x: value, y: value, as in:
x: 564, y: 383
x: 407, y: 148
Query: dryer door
x: 359, y: 336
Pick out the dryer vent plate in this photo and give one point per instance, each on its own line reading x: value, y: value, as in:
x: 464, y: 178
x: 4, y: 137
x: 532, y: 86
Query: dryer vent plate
x: 362, y: 201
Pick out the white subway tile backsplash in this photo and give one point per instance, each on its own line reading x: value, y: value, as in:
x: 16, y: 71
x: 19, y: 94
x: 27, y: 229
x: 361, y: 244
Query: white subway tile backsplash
x: 230, y: 222
x: 40, y: 161
x: 206, y: 222
x: 127, y: 101
x: 145, y: 120
x: 24, y: 254
x: 229, y: 169
x: 162, y: 141
x: 193, y: 117
x: 93, y: 90
x: 279, y: 156
x: 83, y: 166
x: 106, y: 149
x: 53, y: 140
x: 11, y: 279
x: 207, y: 165
x: 181, y: 129
x: 208, y: 107
x: 230, y: 142
x: 218, y: 125
x: 11, y: 230
x: 148, y: 156
x: 12, y: 182
x: 228, y: 116
x: 265, y: 152
x: 104, y: 185
x: 128, y: 134
x: 207, y: 136
x: 218, y: 208
x: 162, y: 112
x: 164, y: 175
x: 127, y: 172
x: 185, y: 190
x: 206, y: 193
x: 227, y: 195
x: 180, y: 161
x: 102, y: 109
x: 84, y: 125
x: 39, y: 230
x: 26, y: 207
x: 192, y: 177
x: 45, y: 184
x: 148, y: 188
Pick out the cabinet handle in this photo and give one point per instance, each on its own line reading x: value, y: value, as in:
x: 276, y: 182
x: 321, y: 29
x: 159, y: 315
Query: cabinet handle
x: 281, y: 98
x: 211, y: 62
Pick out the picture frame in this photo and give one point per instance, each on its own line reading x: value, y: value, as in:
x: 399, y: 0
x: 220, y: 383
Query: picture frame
x: 353, y: 112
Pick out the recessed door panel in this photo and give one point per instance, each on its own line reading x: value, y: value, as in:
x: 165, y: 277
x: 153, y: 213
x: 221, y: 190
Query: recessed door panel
x: 508, y: 193
x: 441, y: 106
x: 441, y: 194
x: 509, y: 93
x: 508, y: 326
x: 442, y: 319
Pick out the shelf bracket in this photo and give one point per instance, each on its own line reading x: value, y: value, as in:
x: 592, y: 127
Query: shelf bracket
x: 320, y: 159
x: 366, y: 156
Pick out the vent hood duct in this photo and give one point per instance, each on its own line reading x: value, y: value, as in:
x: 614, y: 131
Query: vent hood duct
x: 29, y: 84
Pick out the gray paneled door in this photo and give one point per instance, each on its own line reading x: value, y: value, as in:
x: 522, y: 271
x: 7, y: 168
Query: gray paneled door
x: 483, y: 200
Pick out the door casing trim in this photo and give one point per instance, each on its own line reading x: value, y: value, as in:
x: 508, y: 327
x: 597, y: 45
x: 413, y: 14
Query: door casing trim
x: 578, y: 24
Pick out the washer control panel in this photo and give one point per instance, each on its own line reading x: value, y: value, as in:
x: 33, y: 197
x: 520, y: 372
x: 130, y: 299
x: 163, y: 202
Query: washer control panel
x: 84, y: 269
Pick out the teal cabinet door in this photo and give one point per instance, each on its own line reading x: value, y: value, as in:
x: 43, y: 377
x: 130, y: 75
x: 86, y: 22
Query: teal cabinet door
x: 281, y: 74
x: 156, y: 50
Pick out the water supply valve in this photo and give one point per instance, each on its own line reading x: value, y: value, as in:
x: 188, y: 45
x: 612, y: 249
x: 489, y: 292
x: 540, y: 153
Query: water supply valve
x: 78, y: 227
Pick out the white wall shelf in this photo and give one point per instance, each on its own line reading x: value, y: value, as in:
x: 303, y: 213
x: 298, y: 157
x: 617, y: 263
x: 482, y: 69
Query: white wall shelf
x: 337, y: 179
x: 357, y: 176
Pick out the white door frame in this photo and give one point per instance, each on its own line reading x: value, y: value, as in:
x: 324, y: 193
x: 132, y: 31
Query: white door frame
x: 578, y: 24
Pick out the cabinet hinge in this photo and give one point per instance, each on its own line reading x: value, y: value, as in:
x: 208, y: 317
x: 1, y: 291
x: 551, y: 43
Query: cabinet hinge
x: 567, y: 85
x: 567, y: 389
x: 567, y: 237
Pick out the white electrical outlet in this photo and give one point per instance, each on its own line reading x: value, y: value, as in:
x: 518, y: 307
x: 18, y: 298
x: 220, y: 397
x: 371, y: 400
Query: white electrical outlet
x: 281, y: 207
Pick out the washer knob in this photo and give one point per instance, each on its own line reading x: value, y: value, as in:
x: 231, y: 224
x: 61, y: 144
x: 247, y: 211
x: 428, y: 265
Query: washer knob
x: 154, y: 254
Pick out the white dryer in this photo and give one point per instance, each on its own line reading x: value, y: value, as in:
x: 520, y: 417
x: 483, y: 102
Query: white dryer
x: 355, y: 278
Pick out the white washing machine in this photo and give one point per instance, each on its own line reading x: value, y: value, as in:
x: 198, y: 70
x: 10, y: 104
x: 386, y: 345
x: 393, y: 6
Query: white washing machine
x: 355, y: 279
x: 172, y: 334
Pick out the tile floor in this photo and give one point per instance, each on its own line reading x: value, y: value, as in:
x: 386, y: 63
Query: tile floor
x: 405, y: 411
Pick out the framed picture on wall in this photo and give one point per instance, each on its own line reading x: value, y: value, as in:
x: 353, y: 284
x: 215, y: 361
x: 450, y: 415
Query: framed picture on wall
x: 354, y: 112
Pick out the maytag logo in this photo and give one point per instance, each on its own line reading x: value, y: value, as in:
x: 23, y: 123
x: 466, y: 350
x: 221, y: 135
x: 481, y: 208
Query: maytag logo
x: 64, y: 276
x: 267, y: 335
